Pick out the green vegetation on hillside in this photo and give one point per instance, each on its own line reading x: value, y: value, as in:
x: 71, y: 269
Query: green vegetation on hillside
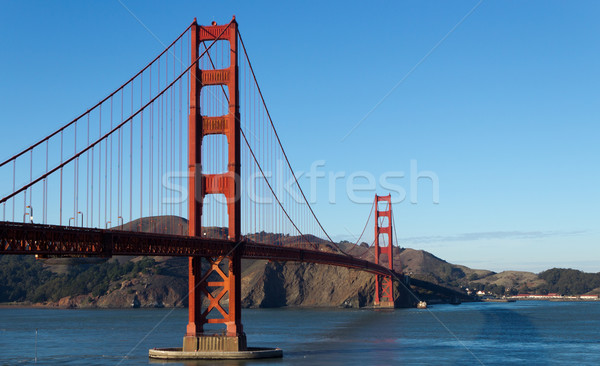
x: 24, y: 279
x: 568, y: 281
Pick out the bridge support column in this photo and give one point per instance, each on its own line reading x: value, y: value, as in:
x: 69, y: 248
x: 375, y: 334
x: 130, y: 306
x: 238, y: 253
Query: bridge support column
x: 211, y: 280
x: 384, y: 285
x: 214, y: 282
x: 384, y: 292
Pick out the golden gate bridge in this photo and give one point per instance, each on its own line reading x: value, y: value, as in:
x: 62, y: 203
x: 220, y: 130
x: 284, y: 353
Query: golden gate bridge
x: 124, y: 160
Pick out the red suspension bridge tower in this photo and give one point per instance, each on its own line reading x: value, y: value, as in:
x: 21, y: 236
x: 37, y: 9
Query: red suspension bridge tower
x: 384, y: 290
x: 219, y: 276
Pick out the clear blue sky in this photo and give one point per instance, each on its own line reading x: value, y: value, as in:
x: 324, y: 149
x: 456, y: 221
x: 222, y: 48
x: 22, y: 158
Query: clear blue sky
x: 505, y: 110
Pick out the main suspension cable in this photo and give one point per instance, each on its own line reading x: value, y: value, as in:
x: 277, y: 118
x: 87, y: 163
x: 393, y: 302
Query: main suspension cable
x: 97, y: 104
x: 102, y: 138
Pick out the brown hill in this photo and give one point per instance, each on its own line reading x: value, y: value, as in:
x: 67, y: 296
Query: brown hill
x: 510, y: 279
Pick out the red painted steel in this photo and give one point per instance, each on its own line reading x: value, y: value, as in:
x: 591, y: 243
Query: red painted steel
x: 54, y: 240
x: 226, y: 184
x: 384, y: 292
x: 194, y: 188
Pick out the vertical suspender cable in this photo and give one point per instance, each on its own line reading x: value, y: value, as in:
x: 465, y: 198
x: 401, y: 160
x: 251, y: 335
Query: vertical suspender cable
x: 77, y: 192
x: 45, y: 208
x: 163, y: 119
x: 151, y: 165
x: 170, y: 171
x: 131, y: 163
x: 187, y: 93
x: 14, y: 187
x: 75, y: 177
x: 120, y: 184
x: 31, y: 180
x: 100, y: 171
x: 61, y: 178
x: 87, y: 179
x: 91, y: 213
x: 141, y: 153
x: 161, y: 149
x: 180, y: 127
x: 110, y: 195
x: 159, y: 141
x: 106, y: 180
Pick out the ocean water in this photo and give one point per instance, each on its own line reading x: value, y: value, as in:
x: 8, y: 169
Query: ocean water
x: 527, y: 332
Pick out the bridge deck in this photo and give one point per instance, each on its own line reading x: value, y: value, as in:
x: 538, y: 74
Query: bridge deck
x: 22, y: 238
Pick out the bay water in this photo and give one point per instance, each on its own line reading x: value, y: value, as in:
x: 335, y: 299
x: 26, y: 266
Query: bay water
x: 524, y: 332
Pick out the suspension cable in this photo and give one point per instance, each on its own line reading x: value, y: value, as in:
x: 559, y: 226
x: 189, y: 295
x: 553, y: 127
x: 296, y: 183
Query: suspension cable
x: 366, y: 223
x: 271, y: 188
x: 97, y: 104
x: 395, y: 231
x: 282, y: 150
x: 364, y: 229
x: 99, y: 140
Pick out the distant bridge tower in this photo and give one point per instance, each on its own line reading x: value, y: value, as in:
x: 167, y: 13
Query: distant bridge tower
x: 384, y: 290
x: 220, y: 276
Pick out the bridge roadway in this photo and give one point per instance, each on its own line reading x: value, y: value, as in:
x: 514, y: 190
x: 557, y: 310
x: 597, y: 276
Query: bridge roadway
x: 23, y: 238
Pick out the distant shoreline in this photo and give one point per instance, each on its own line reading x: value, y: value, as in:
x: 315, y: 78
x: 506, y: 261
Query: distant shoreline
x: 54, y: 306
x: 559, y: 300
x: 26, y: 305
x: 5, y: 305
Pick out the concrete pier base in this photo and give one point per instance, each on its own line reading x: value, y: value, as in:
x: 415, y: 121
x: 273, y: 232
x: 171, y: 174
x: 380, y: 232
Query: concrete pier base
x: 214, y: 347
x: 213, y: 343
x: 249, y: 353
x: 384, y: 305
